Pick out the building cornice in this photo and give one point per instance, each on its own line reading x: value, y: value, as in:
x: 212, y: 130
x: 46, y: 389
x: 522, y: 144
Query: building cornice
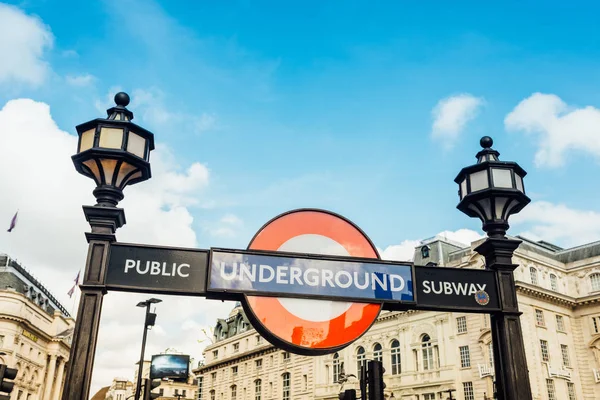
x: 235, y: 359
x: 554, y: 297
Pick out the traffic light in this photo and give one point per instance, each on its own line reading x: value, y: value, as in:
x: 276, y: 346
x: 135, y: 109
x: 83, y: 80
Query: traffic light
x: 150, y: 319
x: 6, y: 375
x: 149, y: 385
x: 363, y: 382
x: 375, y: 380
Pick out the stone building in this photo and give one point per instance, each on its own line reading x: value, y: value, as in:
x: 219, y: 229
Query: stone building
x: 35, y: 334
x: 427, y: 353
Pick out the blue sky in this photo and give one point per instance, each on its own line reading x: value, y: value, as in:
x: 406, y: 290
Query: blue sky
x: 368, y: 110
x: 327, y: 105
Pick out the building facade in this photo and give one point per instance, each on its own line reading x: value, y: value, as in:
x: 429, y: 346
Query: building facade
x: 425, y: 354
x: 35, y: 334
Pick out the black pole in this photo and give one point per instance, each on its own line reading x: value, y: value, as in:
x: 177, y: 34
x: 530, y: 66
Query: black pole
x: 138, y: 386
x: 104, y: 221
x: 510, y: 363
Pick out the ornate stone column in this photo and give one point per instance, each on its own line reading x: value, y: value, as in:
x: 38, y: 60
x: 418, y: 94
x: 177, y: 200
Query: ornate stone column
x: 50, y: 377
x: 59, y: 379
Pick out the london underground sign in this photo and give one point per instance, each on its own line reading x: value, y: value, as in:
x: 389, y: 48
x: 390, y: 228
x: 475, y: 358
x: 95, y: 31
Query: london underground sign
x: 310, y: 282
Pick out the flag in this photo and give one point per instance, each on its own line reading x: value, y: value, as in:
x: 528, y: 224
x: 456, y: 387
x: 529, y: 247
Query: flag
x: 13, y: 222
x: 70, y: 292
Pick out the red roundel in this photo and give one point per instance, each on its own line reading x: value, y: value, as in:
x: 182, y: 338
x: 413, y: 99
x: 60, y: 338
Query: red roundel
x: 307, y: 326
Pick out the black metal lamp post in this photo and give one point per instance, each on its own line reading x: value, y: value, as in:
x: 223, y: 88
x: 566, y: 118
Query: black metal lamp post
x: 492, y: 190
x: 114, y: 152
x: 149, y: 321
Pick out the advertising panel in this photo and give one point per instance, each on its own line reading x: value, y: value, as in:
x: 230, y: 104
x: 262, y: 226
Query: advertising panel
x: 172, y: 366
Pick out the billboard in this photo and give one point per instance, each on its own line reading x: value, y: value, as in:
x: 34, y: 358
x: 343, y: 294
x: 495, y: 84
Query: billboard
x: 173, y: 366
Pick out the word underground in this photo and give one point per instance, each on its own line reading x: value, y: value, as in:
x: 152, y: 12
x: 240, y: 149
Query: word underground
x: 456, y: 288
x: 287, y: 275
x: 157, y: 268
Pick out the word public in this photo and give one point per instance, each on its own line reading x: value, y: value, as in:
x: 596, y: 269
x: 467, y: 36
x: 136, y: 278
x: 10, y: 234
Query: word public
x: 290, y: 275
x: 157, y: 268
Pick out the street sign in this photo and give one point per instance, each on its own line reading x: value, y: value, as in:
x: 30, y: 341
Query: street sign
x: 310, y: 326
x: 153, y: 269
x: 302, y: 275
x: 454, y: 289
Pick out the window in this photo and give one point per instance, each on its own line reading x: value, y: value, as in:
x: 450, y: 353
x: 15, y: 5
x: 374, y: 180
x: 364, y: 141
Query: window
x: 491, y: 354
x: 551, y: 390
x: 544, y: 349
x: 161, y: 392
x: 234, y: 371
x: 305, y: 382
x: 427, y: 352
x: 361, y: 360
x: 271, y: 361
x: 425, y: 251
x: 336, y: 368
x: 564, y: 350
x: 571, y: 390
x: 120, y: 385
x: 465, y: 357
x: 257, y: 389
x: 285, y: 378
x: 396, y: 365
x: 468, y: 390
x: 176, y: 392
x: 258, y: 363
x: 560, y: 323
x: 233, y: 392
x: 212, y: 395
x: 539, y: 318
x: 461, y: 324
x: 377, y: 352
x: 554, y: 282
x: 258, y: 339
x: 236, y: 347
x: 595, y: 280
x: 429, y: 396
x: 596, y: 324
x: 533, y: 273
x: 184, y: 392
x: 200, y: 379
x: 286, y: 356
x: 215, y: 353
x: 213, y: 377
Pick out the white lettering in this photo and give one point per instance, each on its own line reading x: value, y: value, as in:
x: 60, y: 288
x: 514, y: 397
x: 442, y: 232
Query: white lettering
x: 327, y: 277
x: 311, y: 280
x: 295, y: 274
x: 459, y: 288
x: 139, y: 270
x: 249, y: 272
x: 426, y: 288
x: 181, y: 273
x: 281, y: 274
x: 365, y: 285
x: 441, y: 289
x: 375, y: 279
x: 231, y: 275
x: 267, y: 268
x: 129, y: 264
x: 400, y: 280
x: 154, y: 268
x: 347, y: 275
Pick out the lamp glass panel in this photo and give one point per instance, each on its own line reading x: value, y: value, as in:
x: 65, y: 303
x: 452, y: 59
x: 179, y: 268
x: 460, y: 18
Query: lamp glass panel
x: 519, y: 182
x: 108, y: 166
x: 486, y: 205
x: 91, y: 164
x: 111, y: 138
x: 463, y: 188
x: 502, y: 178
x: 499, y: 206
x: 136, y: 144
x: 479, y: 180
x: 117, y: 117
x: 133, y: 177
x: 125, y: 170
x: 87, y: 139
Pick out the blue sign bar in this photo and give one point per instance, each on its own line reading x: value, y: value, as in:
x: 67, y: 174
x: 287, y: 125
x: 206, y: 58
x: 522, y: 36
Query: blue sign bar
x: 286, y: 275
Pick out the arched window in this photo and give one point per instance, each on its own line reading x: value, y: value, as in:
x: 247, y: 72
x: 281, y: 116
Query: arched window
x: 377, y: 352
x: 554, y: 282
x: 533, y: 273
x: 595, y: 279
x: 336, y: 368
x: 396, y: 365
x: 233, y: 392
x: 425, y: 251
x: 427, y: 352
x: 212, y: 395
x: 491, y: 354
x: 361, y: 359
x: 285, y: 384
x: 257, y: 389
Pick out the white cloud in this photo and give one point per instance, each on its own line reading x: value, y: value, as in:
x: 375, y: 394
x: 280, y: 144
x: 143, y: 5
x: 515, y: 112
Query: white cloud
x: 24, y: 41
x: 39, y: 179
x: 228, y: 226
x: 557, y: 223
x: 406, y: 249
x: 80, y: 80
x: 558, y: 127
x: 451, y: 115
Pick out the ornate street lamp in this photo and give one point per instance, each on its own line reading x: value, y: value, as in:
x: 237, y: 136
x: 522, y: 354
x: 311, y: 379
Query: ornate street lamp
x: 114, y: 152
x: 492, y: 190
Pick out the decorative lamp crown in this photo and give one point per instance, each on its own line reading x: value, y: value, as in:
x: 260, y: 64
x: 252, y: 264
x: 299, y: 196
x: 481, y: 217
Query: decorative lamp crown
x: 491, y: 190
x: 114, y: 152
